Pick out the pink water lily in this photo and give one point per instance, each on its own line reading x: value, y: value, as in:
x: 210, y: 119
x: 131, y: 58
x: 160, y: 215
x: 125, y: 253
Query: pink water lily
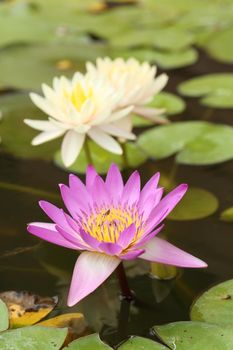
x: 111, y: 222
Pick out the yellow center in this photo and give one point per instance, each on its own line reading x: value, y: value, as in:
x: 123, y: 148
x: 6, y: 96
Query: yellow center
x: 107, y: 224
x: 79, y: 95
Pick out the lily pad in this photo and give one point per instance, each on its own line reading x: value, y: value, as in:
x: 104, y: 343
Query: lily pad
x: 90, y: 342
x: 171, y: 103
x: 215, y: 305
x: 196, y: 142
x: 15, y: 108
x: 26, y: 309
x: 102, y: 159
x: 170, y: 38
x: 196, y: 204
x: 4, y: 318
x: 164, y: 59
x: 35, y: 337
x: 43, y: 62
x: 227, y: 215
x: 139, y: 343
x: 220, y: 46
x: 196, y: 336
x: 216, y: 89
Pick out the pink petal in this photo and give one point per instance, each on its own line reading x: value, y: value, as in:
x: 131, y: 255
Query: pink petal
x: 131, y: 190
x: 110, y: 248
x: 55, y: 214
x: 99, y: 194
x: 90, y: 176
x: 147, y: 237
x: 74, y: 239
x: 127, y: 236
x: 165, y: 206
x: 75, y: 203
x: 49, y: 233
x: 159, y: 250
x: 133, y: 254
x: 90, y: 271
x: 114, y: 183
x: 149, y: 188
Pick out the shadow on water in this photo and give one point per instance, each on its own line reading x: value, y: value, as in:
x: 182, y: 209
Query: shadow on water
x: 46, y: 270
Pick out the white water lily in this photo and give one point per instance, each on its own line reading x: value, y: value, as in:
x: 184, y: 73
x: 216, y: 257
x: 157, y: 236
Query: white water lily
x: 135, y: 80
x: 77, y: 108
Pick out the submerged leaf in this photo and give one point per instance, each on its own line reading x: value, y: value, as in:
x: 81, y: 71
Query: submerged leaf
x: 215, y: 305
x: 4, y: 317
x: 196, y: 204
x: 163, y: 271
x: 25, y: 308
x: 36, y: 338
x: 196, y: 336
x: 227, y: 215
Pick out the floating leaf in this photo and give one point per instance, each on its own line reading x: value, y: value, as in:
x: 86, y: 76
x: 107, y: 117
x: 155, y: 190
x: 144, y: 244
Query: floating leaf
x: 25, y: 308
x: 220, y: 46
x: 75, y: 322
x: 196, y: 336
x: 215, y: 305
x: 139, y: 343
x: 171, y: 103
x: 102, y: 159
x: 196, y: 204
x: 164, y: 59
x: 216, y: 89
x: 4, y: 317
x: 198, y: 143
x: 90, y: 342
x: 227, y: 215
x: 36, y: 338
x: 170, y: 38
x: 15, y: 108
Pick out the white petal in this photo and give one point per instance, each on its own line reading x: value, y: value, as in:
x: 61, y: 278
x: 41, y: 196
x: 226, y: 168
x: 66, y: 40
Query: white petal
x: 116, y: 131
x: 42, y: 103
x: 42, y: 125
x: 47, y: 136
x: 90, y: 271
x: 71, y: 146
x: 105, y: 141
x: 152, y: 114
x: 160, y: 83
x: 120, y: 114
x: 125, y: 123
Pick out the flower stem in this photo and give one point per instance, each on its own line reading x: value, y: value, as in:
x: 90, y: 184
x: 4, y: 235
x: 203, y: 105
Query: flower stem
x: 125, y: 291
x: 88, y: 153
x: 125, y: 159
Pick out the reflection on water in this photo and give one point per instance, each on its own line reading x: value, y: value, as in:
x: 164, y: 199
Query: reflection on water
x: 46, y: 270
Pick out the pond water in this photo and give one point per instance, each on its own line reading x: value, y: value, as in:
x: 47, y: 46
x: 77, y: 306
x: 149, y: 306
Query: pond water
x: 29, y: 264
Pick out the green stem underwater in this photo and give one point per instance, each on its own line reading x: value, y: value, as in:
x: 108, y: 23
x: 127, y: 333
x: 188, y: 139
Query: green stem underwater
x: 125, y: 159
x: 125, y: 290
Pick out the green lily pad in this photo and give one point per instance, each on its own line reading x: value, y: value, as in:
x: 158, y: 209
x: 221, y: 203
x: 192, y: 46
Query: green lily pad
x: 102, y: 159
x: 164, y: 59
x: 227, y: 215
x: 90, y: 342
x: 40, y: 63
x: 35, y: 337
x: 220, y: 46
x: 4, y: 318
x: 139, y: 343
x: 196, y: 142
x: 216, y: 89
x: 171, y: 103
x: 196, y: 336
x: 15, y: 108
x: 170, y: 38
x: 215, y: 305
x: 196, y: 204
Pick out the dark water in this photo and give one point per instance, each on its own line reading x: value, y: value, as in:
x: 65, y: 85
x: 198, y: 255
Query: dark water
x: 28, y: 264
